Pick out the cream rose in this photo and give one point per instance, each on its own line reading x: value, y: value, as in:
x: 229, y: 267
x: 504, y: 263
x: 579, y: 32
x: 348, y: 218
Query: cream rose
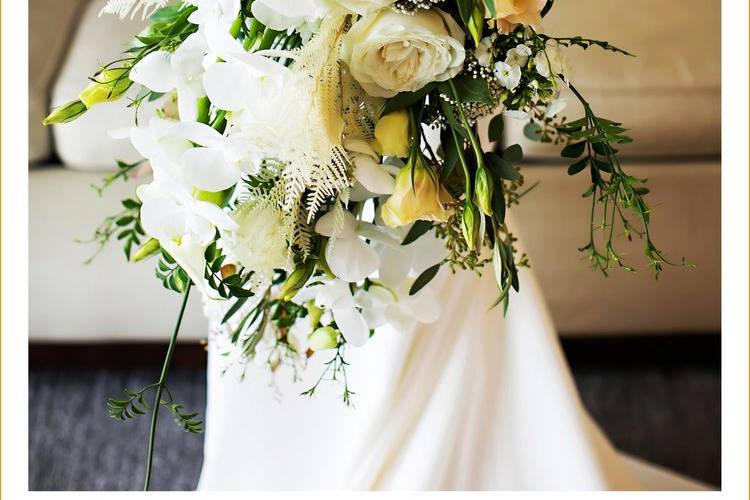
x: 509, y: 13
x: 389, y: 52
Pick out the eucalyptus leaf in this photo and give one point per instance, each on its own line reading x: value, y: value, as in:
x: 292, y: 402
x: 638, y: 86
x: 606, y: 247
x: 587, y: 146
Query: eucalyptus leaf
x: 418, y: 229
x: 424, y: 278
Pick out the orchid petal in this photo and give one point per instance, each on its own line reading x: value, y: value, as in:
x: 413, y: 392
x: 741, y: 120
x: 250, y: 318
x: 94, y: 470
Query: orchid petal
x: 154, y: 71
x: 208, y: 170
x: 372, y: 177
x: 226, y: 85
x: 352, y: 325
x: 351, y: 259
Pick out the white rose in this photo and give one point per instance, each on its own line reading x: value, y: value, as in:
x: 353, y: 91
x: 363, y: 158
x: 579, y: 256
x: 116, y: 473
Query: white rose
x: 390, y: 52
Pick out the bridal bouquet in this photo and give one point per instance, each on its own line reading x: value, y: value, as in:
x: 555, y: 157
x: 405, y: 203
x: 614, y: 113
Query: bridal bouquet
x: 316, y: 162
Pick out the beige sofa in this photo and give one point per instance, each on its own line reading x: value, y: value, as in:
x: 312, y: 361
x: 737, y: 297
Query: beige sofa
x: 669, y: 96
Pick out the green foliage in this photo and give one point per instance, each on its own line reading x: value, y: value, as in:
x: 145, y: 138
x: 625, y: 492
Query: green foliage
x: 123, y: 172
x: 172, y: 276
x: 135, y: 405
x: 124, y: 225
x: 187, y: 421
x: 585, y: 43
x: 406, y: 99
x: 423, y: 279
x: 231, y: 286
x: 130, y: 408
x: 418, y: 229
x: 335, y: 371
x: 591, y: 140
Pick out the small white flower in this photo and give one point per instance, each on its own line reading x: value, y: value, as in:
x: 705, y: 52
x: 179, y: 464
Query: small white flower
x: 483, y: 53
x: 555, y: 107
x: 518, y: 56
x: 509, y: 76
x: 552, y: 62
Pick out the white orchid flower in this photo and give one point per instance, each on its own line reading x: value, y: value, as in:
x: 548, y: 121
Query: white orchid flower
x: 509, y: 76
x: 183, y: 225
x: 244, y: 81
x: 375, y: 177
x: 221, y: 12
x: 219, y: 163
x: 347, y: 254
x: 383, y: 305
x: 158, y: 143
x: 181, y: 70
x: 336, y: 296
x: 400, y: 262
x: 518, y: 56
x: 287, y: 15
x: 169, y: 213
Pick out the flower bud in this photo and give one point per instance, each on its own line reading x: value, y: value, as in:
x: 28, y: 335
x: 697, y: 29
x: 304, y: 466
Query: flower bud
x: 151, y: 247
x: 107, y: 86
x: 325, y: 337
x: 297, y: 280
x: 476, y: 22
x: 418, y: 195
x: 392, y: 134
x: 483, y: 190
x: 470, y: 224
x: 227, y: 270
x: 314, y: 313
x: 65, y: 113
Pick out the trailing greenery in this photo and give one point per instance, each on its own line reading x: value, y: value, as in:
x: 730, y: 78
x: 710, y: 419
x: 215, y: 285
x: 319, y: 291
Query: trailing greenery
x: 125, y: 226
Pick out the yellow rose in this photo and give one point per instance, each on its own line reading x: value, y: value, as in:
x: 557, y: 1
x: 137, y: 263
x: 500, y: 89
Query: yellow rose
x: 424, y: 199
x: 509, y: 13
x: 392, y: 134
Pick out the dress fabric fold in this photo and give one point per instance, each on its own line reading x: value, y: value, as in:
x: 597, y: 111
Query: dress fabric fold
x: 475, y: 401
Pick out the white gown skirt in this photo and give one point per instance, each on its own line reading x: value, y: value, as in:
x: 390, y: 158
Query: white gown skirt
x: 473, y: 402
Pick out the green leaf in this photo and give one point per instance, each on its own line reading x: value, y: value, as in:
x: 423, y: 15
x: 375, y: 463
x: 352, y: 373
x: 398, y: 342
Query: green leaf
x: 533, y: 131
x: 469, y: 89
x: 406, y: 99
x: 495, y: 130
x: 513, y: 154
x: 490, y: 4
x: 419, y: 228
x: 573, y: 150
x: 465, y: 9
x: 578, y: 166
x: 424, y: 278
x: 501, y: 167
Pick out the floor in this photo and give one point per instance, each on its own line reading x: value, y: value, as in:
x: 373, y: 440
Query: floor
x: 663, y: 408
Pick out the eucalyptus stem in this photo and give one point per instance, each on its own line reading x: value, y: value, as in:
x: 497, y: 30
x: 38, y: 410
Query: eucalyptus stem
x: 160, y: 388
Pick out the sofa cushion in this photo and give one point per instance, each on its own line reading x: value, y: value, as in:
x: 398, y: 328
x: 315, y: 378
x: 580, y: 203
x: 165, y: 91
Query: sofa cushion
x: 54, y: 22
x: 669, y: 95
x: 85, y: 143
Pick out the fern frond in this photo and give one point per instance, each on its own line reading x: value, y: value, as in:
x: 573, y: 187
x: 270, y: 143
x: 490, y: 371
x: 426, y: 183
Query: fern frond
x: 124, y: 7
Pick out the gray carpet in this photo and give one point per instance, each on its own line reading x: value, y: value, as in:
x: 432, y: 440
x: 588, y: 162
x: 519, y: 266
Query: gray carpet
x: 668, y: 413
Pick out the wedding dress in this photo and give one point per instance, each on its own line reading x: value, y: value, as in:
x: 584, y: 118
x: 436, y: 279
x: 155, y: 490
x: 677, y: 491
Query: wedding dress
x: 473, y: 402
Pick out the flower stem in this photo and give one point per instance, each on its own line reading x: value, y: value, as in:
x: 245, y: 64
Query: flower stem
x: 159, y: 388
